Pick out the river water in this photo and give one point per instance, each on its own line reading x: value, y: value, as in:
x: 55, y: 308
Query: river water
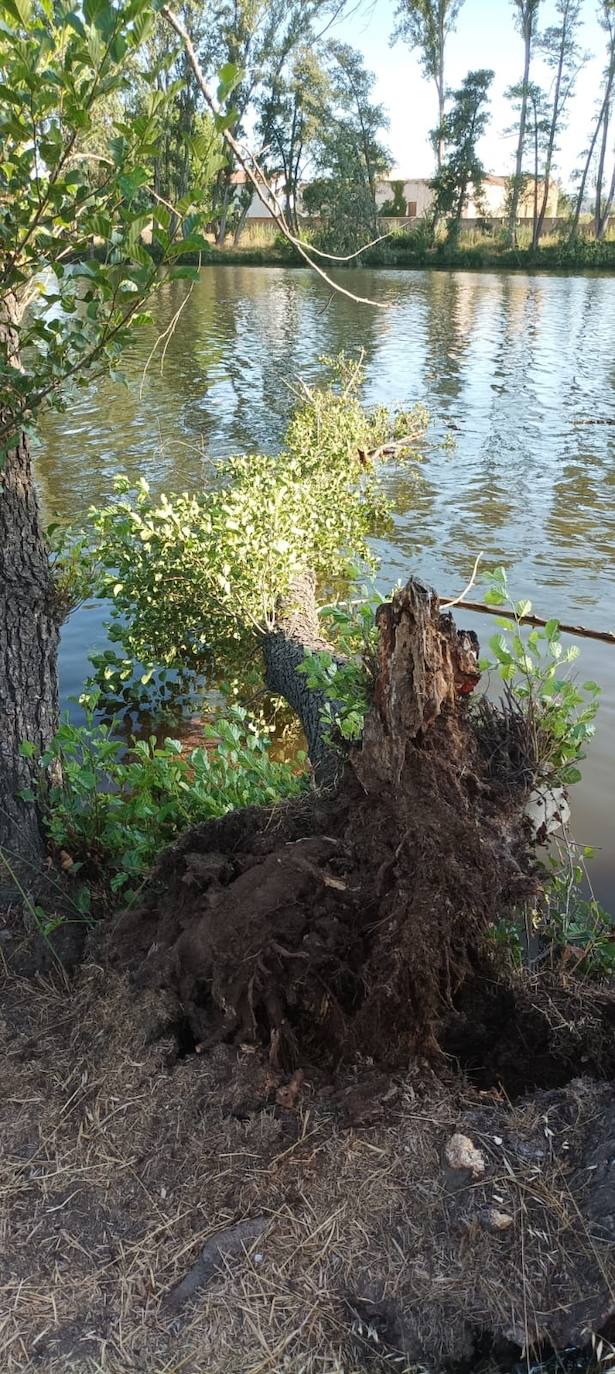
x: 511, y: 367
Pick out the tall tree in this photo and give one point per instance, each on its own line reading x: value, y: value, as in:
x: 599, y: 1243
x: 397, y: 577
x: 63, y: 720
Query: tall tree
x: 561, y: 52
x: 600, y: 133
x: 292, y: 117
x: 257, y: 38
x: 64, y: 316
x: 526, y: 14
x: 534, y: 147
x: 426, y: 25
x: 604, y: 199
x: 350, y: 156
x: 462, y: 171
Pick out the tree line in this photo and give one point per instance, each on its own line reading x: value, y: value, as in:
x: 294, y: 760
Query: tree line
x: 305, y: 101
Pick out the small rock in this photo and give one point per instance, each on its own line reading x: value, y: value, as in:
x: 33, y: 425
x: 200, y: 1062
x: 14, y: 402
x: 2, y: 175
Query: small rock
x: 494, y: 1220
x: 462, y: 1154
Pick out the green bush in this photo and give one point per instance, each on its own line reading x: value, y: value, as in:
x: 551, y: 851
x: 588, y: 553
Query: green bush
x: 195, y: 579
x: 116, y: 807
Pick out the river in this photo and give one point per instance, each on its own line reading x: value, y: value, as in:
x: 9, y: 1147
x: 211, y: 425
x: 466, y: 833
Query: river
x: 511, y: 367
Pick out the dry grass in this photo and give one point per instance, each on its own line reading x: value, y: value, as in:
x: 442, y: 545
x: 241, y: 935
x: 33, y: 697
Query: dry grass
x: 118, y: 1162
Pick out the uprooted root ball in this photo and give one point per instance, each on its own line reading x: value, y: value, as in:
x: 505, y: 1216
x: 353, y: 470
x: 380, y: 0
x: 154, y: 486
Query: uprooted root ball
x: 347, y: 922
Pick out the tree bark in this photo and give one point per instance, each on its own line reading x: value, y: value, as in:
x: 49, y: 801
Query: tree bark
x: 28, y: 661
x: 297, y: 633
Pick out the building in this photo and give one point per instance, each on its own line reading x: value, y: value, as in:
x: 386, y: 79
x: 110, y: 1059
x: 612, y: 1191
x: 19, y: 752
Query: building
x: 418, y: 197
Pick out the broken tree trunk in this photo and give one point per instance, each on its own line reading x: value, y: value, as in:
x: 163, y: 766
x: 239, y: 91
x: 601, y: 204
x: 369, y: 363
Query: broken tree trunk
x: 348, y: 920
x: 297, y: 634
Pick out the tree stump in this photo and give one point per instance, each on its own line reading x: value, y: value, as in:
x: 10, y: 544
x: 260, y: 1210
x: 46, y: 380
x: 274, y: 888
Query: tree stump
x: 345, y: 922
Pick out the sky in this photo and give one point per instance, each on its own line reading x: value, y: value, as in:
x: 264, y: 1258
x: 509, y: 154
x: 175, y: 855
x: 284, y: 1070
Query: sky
x: 485, y: 37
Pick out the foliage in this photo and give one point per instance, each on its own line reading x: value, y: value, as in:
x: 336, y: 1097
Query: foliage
x: 397, y: 205
x: 426, y: 25
x: 534, y: 665
x: 67, y: 316
x: 117, y: 807
x: 349, y: 155
x: 459, y: 132
x: 195, y: 579
x: 293, y: 114
x: 346, y: 675
x: 574, y: 924
x: 260, y: 39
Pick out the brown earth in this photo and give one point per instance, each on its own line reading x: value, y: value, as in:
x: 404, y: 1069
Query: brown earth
x: 121, y: 1159
x: 227, y: 1140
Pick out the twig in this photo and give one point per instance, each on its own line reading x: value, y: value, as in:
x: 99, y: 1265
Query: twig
x: 391, y: 446
x: 255, y: 174
x: 446, y: 605
x: 167, y: 335
x: 605, y: 636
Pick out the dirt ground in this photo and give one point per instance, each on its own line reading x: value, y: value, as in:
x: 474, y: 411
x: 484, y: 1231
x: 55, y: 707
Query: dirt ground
x: 123, y: 1154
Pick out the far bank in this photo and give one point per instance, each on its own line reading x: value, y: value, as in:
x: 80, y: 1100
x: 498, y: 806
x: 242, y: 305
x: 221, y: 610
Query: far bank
x: 402, y: 251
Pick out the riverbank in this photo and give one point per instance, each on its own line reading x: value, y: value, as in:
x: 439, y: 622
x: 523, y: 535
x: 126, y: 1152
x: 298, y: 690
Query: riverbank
x: 404, y: 251
x: 171, y: 1210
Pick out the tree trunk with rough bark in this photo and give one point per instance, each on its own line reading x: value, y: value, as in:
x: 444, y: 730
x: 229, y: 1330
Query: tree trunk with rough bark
x: 28, y: 662
x: 347, y: 921
x: 297, y: 633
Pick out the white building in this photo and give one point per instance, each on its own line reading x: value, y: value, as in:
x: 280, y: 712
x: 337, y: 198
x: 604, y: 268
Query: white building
x: 418, y: 197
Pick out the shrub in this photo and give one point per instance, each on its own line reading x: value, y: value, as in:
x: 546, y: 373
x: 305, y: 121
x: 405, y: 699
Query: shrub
x: 195, y: 579
x: 116, y: 807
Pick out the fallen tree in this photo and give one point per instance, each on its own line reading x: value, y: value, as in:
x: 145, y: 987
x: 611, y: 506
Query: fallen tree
x: 348, y: 920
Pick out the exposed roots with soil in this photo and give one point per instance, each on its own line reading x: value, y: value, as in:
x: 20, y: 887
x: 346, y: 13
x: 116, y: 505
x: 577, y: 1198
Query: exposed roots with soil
x: 347, y: 923
x: 286, y: 1126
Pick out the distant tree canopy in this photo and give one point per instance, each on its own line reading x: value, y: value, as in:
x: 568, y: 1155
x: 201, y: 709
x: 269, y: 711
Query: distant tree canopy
x: 462, y: 171
x: 349, y: 156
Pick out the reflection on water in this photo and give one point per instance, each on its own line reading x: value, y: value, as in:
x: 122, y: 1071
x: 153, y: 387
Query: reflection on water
x: 512, y: 365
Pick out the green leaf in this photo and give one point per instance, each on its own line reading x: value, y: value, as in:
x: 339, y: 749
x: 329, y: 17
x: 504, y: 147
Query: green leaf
x: 27, y: 749
x: 229, y: 76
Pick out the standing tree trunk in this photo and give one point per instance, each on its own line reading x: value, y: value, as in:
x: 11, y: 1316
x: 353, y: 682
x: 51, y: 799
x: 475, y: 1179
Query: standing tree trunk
x: 606, y: 209
x: 561, y: 94
x: 574, y: 228
x: 28, y: 663
x: 528, y: 11
x: 604, y: 143
x: 441, y: 89
x: 536, y: 156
